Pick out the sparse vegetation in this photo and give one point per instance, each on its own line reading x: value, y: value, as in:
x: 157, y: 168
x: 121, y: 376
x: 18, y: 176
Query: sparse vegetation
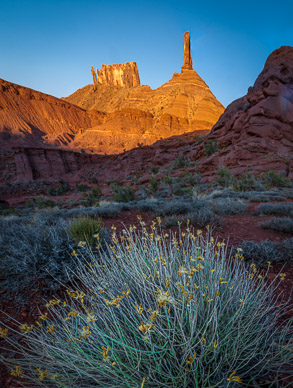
x: 225, y: 178
x: 275, y: 179
x: 122, y: 193
x: 284, y: 224
x: 211, y: 147
x: 277, y: 209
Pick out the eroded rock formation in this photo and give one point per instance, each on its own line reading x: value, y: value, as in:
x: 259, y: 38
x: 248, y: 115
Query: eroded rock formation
x: 139, y: 114
x: 94, y: 74
x: 187, y: 53
x: 256, y: 131
x: 124, y: 75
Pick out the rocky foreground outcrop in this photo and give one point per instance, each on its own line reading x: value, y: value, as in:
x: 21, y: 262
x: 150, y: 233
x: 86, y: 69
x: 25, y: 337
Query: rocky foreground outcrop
x: 256, y: 131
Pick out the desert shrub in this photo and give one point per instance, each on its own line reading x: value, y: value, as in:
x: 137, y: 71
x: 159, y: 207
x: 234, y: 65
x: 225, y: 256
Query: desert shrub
x: 82, y: 188
x: 173, y: 207
x: 123, y: 193
x: 284, y: 224
x: 278, y: 209
x: 154, y: 170
x: 147, y: 205
x: 262, y: 252
x: 179, y: 162
x: 248, y: 182
x: 275, y: 179
x: 30, y: 249
x: 154, y: 185
x: 142, y: 322
x: 96, y: 193
x: 262, y: 196
x: 225, y: 177
x: 211, y: 147
x: 40, y: 202
x: 228, y: 206
x: 86, y: 229
x: 200, y: 217
x: 267, y: 251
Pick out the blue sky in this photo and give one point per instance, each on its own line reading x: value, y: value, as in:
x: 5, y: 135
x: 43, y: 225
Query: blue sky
x: 51, y: 45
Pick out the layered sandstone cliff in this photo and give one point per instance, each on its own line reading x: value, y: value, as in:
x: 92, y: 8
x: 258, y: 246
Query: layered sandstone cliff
x: 256, y: 131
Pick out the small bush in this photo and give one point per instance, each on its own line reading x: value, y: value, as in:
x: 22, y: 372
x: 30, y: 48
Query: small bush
x: 225, y: 177
x: 96, y: 193
x: 228, y: 207
x: 138, y: 320
x: 174, y: 207
x: 247, y: 182
x: 154, y: 185
x: 278, y: 209
x: 274, y: 179
x: 82, y: 188
x: 211, y: 147
x: 123, y: 193
x: 280, y: 224
x: 179, y: 162
x: 86, y: 229
x: 154, y: 170
x: 41, y: 202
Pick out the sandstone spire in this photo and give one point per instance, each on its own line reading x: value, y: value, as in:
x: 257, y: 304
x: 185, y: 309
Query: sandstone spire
x: 187, y: 55
x: 94, y: 75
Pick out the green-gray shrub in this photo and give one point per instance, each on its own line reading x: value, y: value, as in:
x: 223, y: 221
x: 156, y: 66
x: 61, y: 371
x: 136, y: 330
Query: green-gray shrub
x: 284, y: 224
x: 142, y: 322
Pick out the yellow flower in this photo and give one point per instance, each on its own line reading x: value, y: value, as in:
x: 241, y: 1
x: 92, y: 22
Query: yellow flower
x: 204, y: 340
x: 282, y: 276
x: 25, y: 328
x: 199, y: 232
x: 153, y: 315
x: 42, y: 374
x: 17, y: 372
x: 3, y: 332
x: 85, y: 332
x: 51, y: 329
x: 139, y: 308
x: 81, y: 244
x: 72, y: 313
x: 105, y: 352
x: 52, y: 302
x: 145, y: 328
x: 269, y: 263
x: 188, y: 297
x: 73, y: 253
x: 234, y: 378
x: 191, y: 359
x: 241, y: 302
x: 260, y: 276
x: 164, y: 298
x: 91, y: 318
x: 216, y: 343
x: 43, y: 316
x: 115, y: 301
x: 114, y: 363
x: 167, y: 283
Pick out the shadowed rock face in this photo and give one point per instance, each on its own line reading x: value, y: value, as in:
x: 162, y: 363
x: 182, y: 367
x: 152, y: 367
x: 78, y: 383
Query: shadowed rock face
x: 256, y: 131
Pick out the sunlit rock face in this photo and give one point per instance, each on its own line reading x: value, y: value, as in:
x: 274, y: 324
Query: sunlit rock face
x: 256, y: 131
x: 137, y: 114
x: 124, y: 75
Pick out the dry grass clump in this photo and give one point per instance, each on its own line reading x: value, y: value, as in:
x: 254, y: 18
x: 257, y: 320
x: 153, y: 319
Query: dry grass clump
x: 156, y: 309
